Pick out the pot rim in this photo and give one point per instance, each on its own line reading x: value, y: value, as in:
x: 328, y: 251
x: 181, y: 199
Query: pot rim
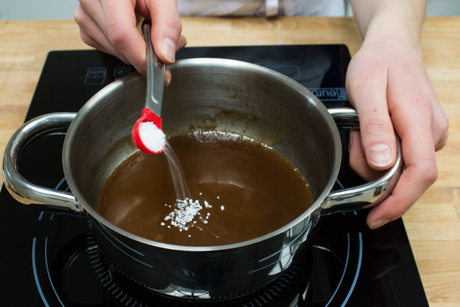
x: 197, y: 62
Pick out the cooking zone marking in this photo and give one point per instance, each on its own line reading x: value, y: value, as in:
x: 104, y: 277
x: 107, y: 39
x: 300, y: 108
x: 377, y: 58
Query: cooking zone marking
x: 124, y: 252
x: 106, y: 280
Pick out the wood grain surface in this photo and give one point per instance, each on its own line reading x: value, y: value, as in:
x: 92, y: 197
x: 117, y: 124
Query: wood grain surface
x: 433, y: 223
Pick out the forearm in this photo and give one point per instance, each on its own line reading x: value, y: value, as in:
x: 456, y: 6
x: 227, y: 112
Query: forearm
x: 389, y: 19
x: 388, y: 85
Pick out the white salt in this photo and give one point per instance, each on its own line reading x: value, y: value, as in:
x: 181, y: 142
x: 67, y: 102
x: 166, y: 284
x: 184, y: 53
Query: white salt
x: 151, y: 136
x: 185, y: 213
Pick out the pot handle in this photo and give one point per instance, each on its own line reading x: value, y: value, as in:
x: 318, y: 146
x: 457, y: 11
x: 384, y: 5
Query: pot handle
x: 21, y: 189
x: 368, y: 194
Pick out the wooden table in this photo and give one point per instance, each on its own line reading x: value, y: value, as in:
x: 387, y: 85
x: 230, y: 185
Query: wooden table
x: 433, y: 224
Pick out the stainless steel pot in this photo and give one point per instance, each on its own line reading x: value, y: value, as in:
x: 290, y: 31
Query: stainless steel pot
x: 208, y: 94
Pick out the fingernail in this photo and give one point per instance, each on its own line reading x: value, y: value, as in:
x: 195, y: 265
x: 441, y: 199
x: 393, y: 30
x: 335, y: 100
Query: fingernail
x: 167, y: 81
x: 380, y: 155
x: 169, y: 50
x: 379, y: 223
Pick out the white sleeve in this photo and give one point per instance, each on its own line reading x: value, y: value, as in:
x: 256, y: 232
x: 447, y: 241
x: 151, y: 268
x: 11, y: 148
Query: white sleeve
x: 330, y: 8
x: 261, y: 8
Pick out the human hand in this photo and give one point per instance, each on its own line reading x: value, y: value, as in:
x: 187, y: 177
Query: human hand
x: 110, y: 26
x: 388, y: 85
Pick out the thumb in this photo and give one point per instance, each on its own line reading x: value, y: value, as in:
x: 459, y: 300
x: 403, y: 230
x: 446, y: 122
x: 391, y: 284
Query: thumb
x: 369, y: 97
x: 166, y: 29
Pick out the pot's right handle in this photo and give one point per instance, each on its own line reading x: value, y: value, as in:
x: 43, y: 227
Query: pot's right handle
x: 21, y: 189
x: 368, y: 194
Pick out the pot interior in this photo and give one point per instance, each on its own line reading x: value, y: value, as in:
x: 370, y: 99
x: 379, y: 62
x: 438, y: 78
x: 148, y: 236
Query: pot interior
x: 205, y: 94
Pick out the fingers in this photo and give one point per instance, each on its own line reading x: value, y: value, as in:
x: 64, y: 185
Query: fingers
x: 115, y: 35
x: 92, y: 34
x: 419, y: 175
x: 121, y: 30
x: 166, y: 28
x: 421, y: 127
x: 440, y: 126
x: 368, y: 94
x: 182, y: 44
x: 394, y: 93
x: 110, y: 26
x: 413, y: 118
x: 357, y: 158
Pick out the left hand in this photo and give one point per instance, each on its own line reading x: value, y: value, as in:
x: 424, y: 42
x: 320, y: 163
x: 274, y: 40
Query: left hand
x: 111, y: 27
x: 388, y: 85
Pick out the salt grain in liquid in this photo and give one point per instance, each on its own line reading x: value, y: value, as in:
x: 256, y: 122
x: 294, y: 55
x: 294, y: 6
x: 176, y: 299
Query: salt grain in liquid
x: 185, y: 209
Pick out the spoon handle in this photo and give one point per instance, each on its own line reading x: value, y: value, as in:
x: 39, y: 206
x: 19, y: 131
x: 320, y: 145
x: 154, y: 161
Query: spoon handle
x: 155, y: 75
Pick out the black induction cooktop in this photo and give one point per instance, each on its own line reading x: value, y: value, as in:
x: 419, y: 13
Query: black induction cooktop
x: 52, y: 260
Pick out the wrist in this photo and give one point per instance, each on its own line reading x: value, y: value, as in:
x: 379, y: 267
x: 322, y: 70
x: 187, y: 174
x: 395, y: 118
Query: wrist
x: 390, y: 21
x: 393, y: 32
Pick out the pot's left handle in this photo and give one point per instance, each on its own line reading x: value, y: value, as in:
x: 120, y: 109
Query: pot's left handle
x: 21, y: 189
x: 368, y: 194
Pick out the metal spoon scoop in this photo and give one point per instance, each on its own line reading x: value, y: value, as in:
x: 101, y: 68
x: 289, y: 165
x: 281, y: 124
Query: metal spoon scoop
x: 147, y: 133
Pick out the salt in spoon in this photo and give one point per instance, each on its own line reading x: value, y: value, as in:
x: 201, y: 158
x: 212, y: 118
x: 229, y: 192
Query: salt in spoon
x: 147, y: 133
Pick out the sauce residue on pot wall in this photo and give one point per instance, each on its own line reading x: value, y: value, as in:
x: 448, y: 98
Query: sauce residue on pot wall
x: 240, y: 189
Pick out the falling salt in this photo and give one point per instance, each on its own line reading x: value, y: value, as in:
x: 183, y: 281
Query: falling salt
x: 222, y: 208
x: 152, y: 137
x: 177, y: 174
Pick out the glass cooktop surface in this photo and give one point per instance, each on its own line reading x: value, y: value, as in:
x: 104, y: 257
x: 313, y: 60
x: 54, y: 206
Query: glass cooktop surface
x: 52, y: 259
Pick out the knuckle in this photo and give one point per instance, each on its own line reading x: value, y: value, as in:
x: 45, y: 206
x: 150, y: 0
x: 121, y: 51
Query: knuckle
x: 429, y: 172
x: 174, y: 22
x: 78, y: 15
x: 443, y: 135
x: 116, y: 34
x: 443, y: 126
x: 440, y: 127
x: 375, y: 125
x: 442, y: 141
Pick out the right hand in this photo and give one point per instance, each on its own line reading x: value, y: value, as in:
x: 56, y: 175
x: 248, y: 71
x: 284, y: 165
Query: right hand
x: 110, y: 26
x: 388, y: 85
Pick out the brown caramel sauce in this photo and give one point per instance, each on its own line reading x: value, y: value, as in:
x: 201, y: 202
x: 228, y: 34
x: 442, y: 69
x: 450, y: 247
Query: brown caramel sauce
x: 252, y: 189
